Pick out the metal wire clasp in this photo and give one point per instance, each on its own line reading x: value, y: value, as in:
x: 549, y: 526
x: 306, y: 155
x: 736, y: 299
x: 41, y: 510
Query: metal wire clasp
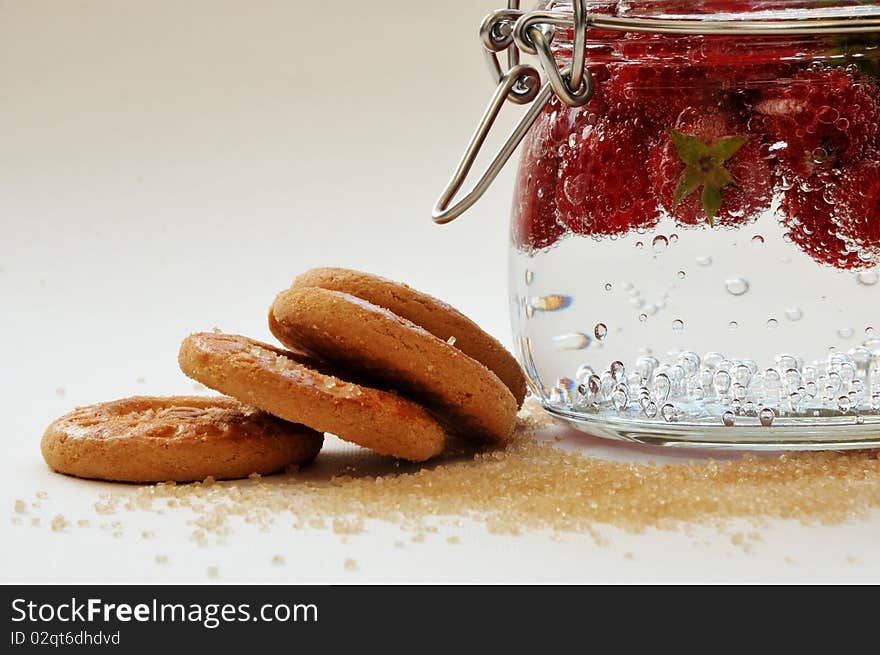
x: 517, y: 32
x: 503, y: 30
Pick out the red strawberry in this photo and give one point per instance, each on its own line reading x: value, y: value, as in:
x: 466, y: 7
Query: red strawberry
x: 821, y: 119
x: 654, y: 94
x: 709, y: 170
x: 835, y: 217
x: 534, y: 223
x: 604, y: 188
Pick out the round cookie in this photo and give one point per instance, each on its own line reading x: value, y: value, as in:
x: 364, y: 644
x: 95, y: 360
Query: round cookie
x: 181, y: 438
x: 289, y: 385
x: 437, y: 317
x: 348, y: 331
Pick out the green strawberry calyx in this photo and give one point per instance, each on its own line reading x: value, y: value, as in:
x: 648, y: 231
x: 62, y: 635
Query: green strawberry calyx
x: 704, y: 168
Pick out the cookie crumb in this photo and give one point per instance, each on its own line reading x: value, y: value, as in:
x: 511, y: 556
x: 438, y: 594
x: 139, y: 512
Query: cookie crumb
x: 60, y: 391
x: 213, y: 572
x: 453, y: 540
x: 83, y: 523
x: 148, y: 534
x: 628, y: 555
x: 351, y: 564
x: 35, y: 521
x: 20, y: 507
x: 418, y: 538
x: 42, y: 495
x: 278, y: 560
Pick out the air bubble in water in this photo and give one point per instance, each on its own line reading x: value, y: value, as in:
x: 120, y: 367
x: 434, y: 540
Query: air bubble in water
x: 661, y: 387
x: 643, y: 317
x: 530, y: 277
x: 678, y: 325
x: 728, y: 419
x: 868, y: 278
x: 721, y: 380
x: 659, y: 243
x: 681, y: 275
x: 737, y: 286
x: 844, y: 404
x: 772, y: 324
x: 757, y: 240
x: 673, y: 238
x: 620, y: 399
x: 733, y: 325
x: 618, y: 372
x: 766, y: 417
x: 572, y: 341
x: 704, y: 260
x: 639, y: 245
x: 668, y: 412
x: 794, y: 313
x: 601, y: 331
x: 608, y: 287
x: 650, y: 409
x: 553, y: 303
x: 845, y: 332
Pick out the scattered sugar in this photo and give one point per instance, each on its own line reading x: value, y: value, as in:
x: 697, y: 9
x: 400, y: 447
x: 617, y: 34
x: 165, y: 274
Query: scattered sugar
x: 627, y: 555
x: 148, y: 534
x: 35, y: 522
x: 60, y: 391
x: 453, y: 540
x: 213, y: 572
x: 348, y: 526
x: 83, y: 523
x: 351, y: 565
x: 59, y: 523
x: 278, y: 560
x: 42, y: 495
x: 529, y: 485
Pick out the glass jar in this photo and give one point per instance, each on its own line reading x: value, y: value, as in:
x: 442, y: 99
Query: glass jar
x: 695, y: 251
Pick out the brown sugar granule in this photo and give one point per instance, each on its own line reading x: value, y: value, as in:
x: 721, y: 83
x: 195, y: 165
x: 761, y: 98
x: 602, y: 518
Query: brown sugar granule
x: 529, y: 485
x: 20, y: 507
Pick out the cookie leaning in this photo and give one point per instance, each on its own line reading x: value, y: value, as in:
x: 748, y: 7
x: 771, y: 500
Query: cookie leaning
x: 345, y: 330
x: 288, y: 385
x: 181, y: 438
x: 437, y: 317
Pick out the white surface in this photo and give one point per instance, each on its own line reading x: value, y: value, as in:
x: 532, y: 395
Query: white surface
x: 167, y: 167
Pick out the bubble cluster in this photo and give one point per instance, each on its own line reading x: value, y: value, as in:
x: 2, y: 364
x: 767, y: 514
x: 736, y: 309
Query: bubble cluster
x: 688, y: 386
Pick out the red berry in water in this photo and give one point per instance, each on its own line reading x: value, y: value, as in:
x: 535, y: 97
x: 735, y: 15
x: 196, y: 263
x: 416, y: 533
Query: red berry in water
x: 819, y: 120
x: 534, y: 223
x: 834, y: 217
x: 603, y: 187
x: 709, y: 170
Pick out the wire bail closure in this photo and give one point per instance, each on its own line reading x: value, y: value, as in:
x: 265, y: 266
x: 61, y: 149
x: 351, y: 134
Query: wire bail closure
x: 516, y: 32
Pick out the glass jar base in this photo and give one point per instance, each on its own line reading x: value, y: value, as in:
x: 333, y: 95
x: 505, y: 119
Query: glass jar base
x: 820, y: 433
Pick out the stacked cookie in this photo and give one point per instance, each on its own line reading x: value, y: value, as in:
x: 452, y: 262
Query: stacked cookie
x: 371, y: 361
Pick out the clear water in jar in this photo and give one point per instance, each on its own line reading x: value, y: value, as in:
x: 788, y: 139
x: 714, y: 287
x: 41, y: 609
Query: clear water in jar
x: 759, y: 328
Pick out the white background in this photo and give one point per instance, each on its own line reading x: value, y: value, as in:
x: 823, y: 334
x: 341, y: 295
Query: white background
x: 167, y: 167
